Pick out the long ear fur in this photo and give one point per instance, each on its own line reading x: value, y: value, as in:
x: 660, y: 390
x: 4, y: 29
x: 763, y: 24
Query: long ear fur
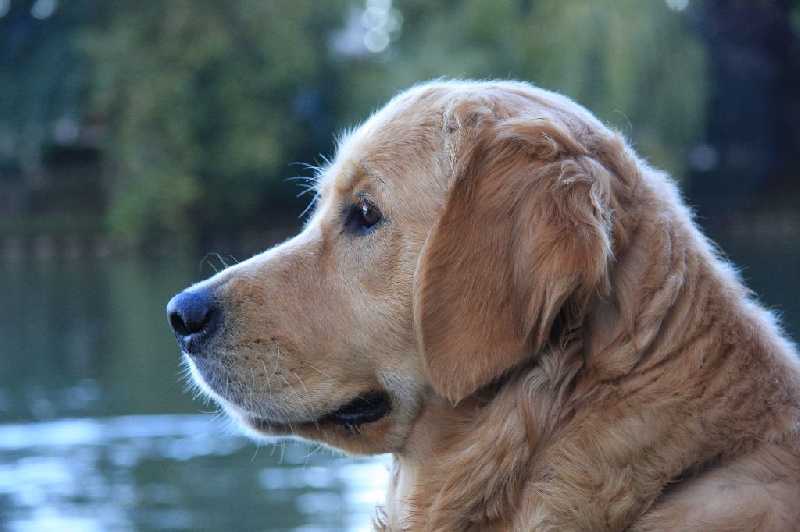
x: 524, y: 239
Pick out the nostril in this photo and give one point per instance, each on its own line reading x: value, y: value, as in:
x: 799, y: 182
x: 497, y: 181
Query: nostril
x: 189, y: 324
x: 192, y: 316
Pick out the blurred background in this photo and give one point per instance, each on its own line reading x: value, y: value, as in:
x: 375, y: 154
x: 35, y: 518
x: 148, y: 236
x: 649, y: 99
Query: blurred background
x: 143, y: 145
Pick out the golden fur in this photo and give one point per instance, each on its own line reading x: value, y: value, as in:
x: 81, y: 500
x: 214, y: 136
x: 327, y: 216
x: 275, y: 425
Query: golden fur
x: 561, y: 347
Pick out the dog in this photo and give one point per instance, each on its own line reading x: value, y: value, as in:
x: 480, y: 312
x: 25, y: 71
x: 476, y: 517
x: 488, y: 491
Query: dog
x: 497, y: 290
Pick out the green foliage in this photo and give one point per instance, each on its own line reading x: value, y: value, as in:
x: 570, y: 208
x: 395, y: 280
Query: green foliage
x: 209, y: 102
x: 200, y: 97
x: 43, y: 77
x: 38, y: 80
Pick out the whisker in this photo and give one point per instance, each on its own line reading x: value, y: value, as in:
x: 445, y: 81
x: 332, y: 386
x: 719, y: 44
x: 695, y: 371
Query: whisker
x: 310, y: 205
x: 310, y: 407
x: 255, y: 452
x: 306, y: 189
x: 318, y: 370
x: 214, y: 255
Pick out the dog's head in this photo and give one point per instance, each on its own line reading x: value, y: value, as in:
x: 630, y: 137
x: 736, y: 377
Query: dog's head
x: 456, y: 232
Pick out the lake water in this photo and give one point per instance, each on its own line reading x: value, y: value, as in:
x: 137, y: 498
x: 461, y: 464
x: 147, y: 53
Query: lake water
x: 96, y: 432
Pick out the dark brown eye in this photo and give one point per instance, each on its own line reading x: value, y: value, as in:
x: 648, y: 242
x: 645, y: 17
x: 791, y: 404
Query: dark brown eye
x: 362, y: 217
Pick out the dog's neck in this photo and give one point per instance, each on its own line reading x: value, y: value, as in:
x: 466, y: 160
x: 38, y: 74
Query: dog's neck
x: 448, y: 482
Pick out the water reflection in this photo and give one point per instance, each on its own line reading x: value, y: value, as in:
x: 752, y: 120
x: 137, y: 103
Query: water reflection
x: 173, y: 472
x: 96, y: 432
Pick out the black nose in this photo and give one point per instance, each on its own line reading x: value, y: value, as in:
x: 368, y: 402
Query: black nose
x: 194, y: 317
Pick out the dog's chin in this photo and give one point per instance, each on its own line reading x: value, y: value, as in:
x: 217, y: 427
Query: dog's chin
x: 362, y: 425
x: 362, y: 410
x: 367, y: 423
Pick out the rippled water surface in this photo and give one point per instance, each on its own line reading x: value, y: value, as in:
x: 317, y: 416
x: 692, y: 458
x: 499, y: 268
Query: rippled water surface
x: 172, y: 472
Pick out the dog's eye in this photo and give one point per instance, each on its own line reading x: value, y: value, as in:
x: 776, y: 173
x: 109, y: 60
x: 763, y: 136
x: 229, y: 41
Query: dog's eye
x: 362, y: 217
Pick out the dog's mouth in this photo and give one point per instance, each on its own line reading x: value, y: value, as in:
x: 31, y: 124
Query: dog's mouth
x: 366, y: 408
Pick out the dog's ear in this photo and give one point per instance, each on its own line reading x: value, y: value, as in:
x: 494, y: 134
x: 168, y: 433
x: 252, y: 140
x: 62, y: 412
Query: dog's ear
x: 524, y: 239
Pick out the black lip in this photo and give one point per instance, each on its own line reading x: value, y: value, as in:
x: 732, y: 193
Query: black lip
x: 365, y: 408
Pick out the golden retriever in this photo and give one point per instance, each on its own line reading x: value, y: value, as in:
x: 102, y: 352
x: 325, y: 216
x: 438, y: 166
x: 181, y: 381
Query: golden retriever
x: 495, y: 289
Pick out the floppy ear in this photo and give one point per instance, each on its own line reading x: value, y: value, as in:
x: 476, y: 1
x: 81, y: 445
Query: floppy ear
x: 524, y: 238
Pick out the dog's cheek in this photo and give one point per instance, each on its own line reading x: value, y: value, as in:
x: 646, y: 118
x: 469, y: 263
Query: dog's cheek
x: 379, y: 302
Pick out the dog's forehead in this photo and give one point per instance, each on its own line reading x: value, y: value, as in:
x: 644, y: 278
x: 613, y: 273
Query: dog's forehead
x: 349, y: 174
x: 396, y: 142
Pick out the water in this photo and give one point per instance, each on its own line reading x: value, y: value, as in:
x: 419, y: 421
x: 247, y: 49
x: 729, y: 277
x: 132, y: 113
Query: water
x: 175, y: 472
x: 96, y: 432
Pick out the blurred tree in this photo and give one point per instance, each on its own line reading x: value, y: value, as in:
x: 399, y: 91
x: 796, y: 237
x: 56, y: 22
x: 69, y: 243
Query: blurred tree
x: 631, y: 62
x: 750, y: 155
x: 208, y: 102
x: 43, y: 77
